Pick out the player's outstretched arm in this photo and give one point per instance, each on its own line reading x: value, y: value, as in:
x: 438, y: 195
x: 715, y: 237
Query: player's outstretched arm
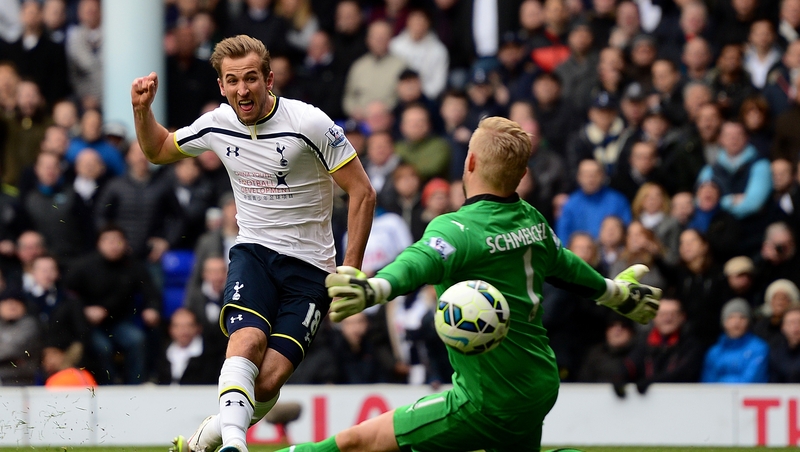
x: 352, y: 292
x: 155, y: 140
x: 361, y: 209
x: 628, y: 297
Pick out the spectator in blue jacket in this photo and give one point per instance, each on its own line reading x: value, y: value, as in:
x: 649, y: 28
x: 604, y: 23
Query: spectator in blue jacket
x: 591, y: 203
x: 739, y: 356
x: 745, y: 179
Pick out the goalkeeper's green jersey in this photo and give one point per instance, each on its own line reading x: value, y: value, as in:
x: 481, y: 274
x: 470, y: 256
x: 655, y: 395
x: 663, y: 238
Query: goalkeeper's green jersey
x: 508, y: 243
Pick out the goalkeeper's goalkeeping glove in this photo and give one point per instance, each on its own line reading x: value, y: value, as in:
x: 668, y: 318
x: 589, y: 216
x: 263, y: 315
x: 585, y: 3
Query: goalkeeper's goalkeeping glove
x: 352, y: 292
x: 625, y: 295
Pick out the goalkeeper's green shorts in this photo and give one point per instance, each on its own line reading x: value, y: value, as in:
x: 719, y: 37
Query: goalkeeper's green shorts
x: 450, y: 422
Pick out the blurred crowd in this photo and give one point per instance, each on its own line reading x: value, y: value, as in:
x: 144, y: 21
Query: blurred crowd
x: 664, y: 132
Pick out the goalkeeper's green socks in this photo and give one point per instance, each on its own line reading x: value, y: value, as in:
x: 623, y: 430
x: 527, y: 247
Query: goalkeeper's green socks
x: 329, y: 445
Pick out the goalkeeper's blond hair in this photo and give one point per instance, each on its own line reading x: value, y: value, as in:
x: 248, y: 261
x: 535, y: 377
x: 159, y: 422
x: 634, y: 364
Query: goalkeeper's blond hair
x: 502, y: 149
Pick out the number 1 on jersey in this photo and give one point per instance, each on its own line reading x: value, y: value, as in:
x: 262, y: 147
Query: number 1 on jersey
x: 529, y: 283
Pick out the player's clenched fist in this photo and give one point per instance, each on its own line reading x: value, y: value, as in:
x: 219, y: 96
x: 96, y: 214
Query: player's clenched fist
x: 143, y: 90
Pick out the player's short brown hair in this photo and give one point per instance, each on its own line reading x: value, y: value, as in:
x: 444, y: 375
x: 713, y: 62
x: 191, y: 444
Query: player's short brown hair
x: 238, y: 47
x: 503, y: 150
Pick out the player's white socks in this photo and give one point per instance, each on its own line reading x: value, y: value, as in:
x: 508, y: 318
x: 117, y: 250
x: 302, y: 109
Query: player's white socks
x: 236, y: 398
x: 262, y: 408
x: 210, y: 436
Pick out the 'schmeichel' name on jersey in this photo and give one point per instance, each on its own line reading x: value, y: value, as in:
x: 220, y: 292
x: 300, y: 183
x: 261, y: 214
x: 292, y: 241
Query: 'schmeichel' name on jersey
x: 515, y: 239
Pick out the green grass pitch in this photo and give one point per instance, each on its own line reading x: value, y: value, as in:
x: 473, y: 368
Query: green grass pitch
x: 274, y: 448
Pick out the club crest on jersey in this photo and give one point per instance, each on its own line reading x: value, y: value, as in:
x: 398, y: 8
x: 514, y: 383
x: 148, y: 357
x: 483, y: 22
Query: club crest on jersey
x: 280, y: 150
x: 232, y: 150
x: 442, y: 247
x: 335, y: 136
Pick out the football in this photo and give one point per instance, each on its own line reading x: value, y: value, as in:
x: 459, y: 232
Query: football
x: 472, y: 317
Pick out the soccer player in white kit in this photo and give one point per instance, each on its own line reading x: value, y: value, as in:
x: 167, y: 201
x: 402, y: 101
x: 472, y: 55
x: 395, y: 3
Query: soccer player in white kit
x: 283, y: 157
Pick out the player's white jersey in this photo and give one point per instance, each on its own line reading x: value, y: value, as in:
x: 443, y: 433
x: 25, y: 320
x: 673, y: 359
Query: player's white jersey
x: 280, y: 171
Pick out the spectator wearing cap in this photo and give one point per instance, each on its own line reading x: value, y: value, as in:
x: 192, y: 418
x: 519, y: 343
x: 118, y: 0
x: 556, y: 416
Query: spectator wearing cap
x: 553, y: 112
x: 780, y: 296
x: 633, y: 108
x: 429, y: 154
x: 784, y: 356
x: 591, y: 203
x: 435, y: 200
x: 739, y: 356
x: 481, y: 93
x: 422, y: 51
x: 744, y: 177
x: 20, y: 341
x: 116, y: 133
x: 730, y: 81
x: 514, y: 70
x: 581, y: 62
x: 740, y: 276
x: 599, y: 139
x: 374, y: 75
x: 721, y: 228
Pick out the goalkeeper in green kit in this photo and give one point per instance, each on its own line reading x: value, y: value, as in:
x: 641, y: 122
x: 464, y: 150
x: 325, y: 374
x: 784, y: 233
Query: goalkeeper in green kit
x: 500, y: 398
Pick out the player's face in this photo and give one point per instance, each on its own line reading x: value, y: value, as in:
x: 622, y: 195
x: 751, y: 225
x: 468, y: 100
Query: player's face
x: 244, y: 86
